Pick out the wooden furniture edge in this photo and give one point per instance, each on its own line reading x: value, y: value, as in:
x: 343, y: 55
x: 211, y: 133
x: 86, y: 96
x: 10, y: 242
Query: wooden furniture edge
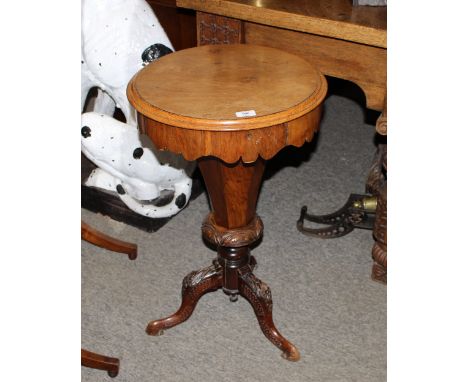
x: 193, y: 144
x: 315, y: 25
x: 363, y: 65
x: 150, y: 111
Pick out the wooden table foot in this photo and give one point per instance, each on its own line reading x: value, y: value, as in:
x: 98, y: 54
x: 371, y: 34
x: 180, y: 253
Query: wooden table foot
x: 101, y: 362
x: 194, y: 286
x: 259, y: 295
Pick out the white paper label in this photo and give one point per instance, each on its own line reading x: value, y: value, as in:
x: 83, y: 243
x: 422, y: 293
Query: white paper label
x: 246, y: 113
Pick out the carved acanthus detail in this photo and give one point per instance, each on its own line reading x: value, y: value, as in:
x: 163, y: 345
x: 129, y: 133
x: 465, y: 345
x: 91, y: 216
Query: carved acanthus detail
x: 195, y: 278
x: 263, y: 303
x: 234, y: 238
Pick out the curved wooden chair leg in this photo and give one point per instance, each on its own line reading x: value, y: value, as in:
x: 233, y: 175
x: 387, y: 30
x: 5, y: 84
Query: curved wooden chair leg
x: 102, y: 240
x: 101, y: 362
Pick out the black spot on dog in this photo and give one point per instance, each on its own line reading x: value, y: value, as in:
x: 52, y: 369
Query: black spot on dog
x: 180, y: 201
x: 138, y: 152
x: 120, y: 189
x: 154, y: 52
x: 86, y: 131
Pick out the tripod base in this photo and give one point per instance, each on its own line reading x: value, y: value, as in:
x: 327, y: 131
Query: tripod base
x: 211, y: 278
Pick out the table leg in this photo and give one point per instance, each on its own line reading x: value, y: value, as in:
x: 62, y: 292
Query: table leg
x: 259, y: 295
x: 194, y: 286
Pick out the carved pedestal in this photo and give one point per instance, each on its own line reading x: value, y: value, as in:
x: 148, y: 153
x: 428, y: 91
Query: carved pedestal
x: 232, y: 227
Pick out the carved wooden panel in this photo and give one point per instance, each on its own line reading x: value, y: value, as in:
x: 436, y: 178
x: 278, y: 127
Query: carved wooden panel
x: 214, y: 30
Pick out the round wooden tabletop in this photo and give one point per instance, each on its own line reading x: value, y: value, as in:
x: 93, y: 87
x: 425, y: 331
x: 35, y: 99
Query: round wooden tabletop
x: 228, y: 101
x: 227, y: 87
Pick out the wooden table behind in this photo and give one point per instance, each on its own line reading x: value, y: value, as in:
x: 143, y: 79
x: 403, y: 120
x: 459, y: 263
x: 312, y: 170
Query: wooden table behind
x: 341, y: 40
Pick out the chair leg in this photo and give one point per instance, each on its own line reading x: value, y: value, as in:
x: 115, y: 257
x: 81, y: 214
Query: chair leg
x: 101, y: 362
x: 102, y: 240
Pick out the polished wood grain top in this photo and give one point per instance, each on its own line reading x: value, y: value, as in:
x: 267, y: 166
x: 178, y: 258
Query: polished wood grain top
x: 203, y: 88
x: 332, y: 18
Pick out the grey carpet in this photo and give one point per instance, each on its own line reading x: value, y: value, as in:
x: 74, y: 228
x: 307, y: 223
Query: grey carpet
x: 324, y: 300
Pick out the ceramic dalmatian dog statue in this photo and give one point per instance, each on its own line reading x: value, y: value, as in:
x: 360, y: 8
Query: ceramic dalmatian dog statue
x: 119, y: 37
x: 130, y: 169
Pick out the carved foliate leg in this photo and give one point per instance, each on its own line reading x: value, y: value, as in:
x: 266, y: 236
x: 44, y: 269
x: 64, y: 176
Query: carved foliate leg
x: 194, y: 286
x: 259, y: 295
x: 376, y: 177
x: 379, y: 250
